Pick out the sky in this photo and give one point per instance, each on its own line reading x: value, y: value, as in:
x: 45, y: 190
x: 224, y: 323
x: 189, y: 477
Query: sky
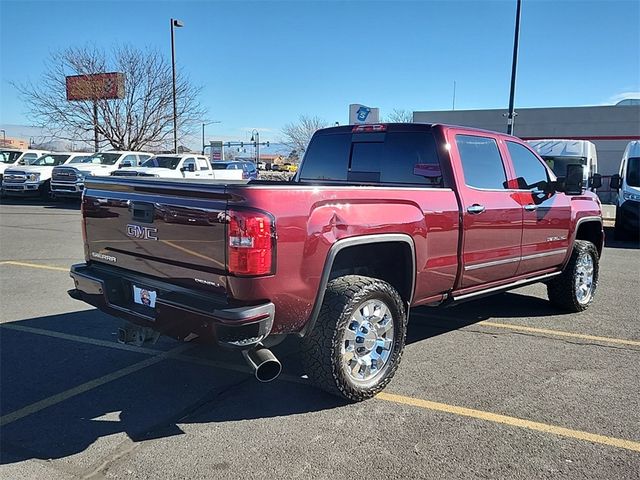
x: 263, y: 63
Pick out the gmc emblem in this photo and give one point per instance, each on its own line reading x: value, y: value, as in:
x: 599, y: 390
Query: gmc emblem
x: 143, y: 233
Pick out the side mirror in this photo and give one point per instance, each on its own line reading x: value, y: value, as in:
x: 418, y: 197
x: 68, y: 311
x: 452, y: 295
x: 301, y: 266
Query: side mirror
x: 595, y: 181
x: 616, y: 182
x: 574, y: 181
x: 126, y: 164
x: 188, y: 168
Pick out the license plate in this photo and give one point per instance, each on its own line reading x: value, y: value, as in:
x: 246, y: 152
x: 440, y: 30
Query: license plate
x: 144, y: 296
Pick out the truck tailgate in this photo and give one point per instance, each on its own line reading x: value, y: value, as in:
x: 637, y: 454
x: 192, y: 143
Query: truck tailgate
x: 168, y: 229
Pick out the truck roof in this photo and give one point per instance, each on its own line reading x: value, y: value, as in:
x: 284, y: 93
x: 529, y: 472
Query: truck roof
x: 413, y: 126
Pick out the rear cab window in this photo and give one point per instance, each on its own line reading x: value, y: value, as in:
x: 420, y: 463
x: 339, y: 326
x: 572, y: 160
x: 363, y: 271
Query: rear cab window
x: 394, y: 157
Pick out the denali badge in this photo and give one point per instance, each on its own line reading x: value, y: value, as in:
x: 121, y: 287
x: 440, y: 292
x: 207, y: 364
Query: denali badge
x: 144, y: 233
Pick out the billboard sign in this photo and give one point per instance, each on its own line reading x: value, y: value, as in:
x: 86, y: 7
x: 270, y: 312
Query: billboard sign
x: 98, y: 86
x: 217, y: 151
x: 361, y: 114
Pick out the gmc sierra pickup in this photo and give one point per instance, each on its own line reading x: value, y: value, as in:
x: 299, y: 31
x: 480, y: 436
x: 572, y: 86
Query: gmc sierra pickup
x: 378, y: 219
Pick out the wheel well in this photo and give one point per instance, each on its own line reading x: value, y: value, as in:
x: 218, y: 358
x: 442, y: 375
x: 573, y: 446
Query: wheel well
x: 388, y: 261
x: 592, y: 232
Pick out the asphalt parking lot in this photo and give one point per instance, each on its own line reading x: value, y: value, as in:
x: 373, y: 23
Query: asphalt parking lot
x: 505, y: 387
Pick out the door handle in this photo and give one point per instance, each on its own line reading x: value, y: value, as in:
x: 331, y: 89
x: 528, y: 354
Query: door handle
x: 475, y: 209
x: 531, y: 207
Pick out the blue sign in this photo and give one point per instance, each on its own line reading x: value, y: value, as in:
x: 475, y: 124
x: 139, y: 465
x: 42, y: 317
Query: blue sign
x: 363, y: 113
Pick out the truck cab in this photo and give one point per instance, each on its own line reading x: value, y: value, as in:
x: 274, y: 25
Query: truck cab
x: 185, y: 166
x: 68, y: 181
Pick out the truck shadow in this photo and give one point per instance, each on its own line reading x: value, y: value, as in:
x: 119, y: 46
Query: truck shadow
x: 66, y: 383
x: 62, y: 204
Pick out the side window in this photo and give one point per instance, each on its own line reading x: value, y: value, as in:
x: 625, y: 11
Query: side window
x: 203, y: 164
x: 130, y: 159
x: 28, y: 158
x: 526, y: 165
x: 481, y: 162
x: 189, y: 161
x: 143, y: 158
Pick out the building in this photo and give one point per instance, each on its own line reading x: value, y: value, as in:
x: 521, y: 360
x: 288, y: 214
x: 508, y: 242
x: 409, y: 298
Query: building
x: 9, y: 142
x: 609, y: 127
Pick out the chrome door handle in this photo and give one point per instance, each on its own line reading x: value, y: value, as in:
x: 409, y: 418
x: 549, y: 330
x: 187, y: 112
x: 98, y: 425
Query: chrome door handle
x: 475, y: 209
x: 531, y: 207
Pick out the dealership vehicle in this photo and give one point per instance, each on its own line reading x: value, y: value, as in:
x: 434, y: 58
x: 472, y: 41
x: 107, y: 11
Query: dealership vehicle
x: 379, y: 218
x: 627, y: 182
x: 11, y: 157
x: 187, y: 165
x: 247, y: 167
x: 68, y: 181
x: 560, y: 153
x: 34, y: 179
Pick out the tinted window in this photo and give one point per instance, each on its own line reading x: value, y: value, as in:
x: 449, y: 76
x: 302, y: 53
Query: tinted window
x: 526, y: 164
x: 327, y: 157
x: 394, y: 157
x: 481, y: 162
x: 633, y: 172
x: 130, y: 159
x: 189, y: 161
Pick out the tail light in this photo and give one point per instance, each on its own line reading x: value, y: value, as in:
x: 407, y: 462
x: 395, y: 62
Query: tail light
x: 251, y: 237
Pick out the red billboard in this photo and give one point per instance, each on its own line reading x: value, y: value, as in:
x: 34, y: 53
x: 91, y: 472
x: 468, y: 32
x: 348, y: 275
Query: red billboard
x: 97, y: 86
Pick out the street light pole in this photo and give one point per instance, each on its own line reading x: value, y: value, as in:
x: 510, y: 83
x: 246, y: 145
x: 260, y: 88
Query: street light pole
x: 174, y: 23
x: 4, y: 138
x: 514, y: 66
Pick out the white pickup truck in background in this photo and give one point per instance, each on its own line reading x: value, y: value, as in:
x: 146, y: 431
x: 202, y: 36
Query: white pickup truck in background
x: 186, y: 166
x: 11, y: 157
x: 35, y: 179
x: 68, y: 181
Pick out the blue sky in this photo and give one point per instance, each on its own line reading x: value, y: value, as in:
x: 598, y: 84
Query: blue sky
x: 263, y: 63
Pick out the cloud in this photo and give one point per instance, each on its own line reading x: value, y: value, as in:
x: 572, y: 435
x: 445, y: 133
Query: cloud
x: 623, y: 95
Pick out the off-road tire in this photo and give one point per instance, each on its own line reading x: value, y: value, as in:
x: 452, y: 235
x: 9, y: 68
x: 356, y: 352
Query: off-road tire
x: 321, y: 347
x: 562, y: 290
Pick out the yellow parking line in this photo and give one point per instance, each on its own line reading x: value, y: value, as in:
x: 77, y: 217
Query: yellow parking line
x: 35, y: 265
x: 389, y: 397
x: 511, y: 421
x: 560, y: 333
x: 85, y: 387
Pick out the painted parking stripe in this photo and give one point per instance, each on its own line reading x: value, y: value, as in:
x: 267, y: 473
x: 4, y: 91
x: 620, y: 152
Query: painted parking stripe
x: 560, y: 333
x: 511, y: 421
x: 35, y: 265
x: 176, y: 354
x: 522, y: 328
x: 87, y: 386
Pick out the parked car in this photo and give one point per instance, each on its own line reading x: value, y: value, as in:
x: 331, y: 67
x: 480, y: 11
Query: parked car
x: 627, y: 182
x: 249, y: 170
x: 35, y: 179
x: 186, y: 165
x: 11, y: 157
x: 262, y: 165
x: 337, y: 257
x: 68, y: 181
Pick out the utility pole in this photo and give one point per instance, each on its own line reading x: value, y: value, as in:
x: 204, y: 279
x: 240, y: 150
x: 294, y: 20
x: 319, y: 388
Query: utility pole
x: 96, y: 144
x: 453, y: 107
x: 514, y: 66
x: 174, y: 23
x: 255, y: 138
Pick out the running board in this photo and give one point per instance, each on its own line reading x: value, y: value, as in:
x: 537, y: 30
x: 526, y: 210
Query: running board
x: 509, y: 286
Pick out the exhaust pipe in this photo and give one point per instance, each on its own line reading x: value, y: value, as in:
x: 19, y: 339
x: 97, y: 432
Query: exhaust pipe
x: 265, y: 365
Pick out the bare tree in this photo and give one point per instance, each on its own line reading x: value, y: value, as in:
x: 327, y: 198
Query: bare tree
x: 298, y: 135
x: 142, y: 119
x: 400, y: 115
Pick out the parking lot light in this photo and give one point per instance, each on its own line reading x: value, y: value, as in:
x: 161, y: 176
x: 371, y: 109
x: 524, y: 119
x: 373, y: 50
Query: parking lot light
x: 174, y: 24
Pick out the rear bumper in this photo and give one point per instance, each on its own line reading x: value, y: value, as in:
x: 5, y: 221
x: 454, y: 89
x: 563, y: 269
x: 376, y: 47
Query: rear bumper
x: 179, y: 312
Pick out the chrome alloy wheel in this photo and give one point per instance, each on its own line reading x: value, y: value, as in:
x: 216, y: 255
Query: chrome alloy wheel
x: 367, y: 341
x: 584, y: 278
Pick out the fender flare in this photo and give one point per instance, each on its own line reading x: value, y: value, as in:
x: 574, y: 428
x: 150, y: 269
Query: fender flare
x: 580, y: 221
x: 340, y: 245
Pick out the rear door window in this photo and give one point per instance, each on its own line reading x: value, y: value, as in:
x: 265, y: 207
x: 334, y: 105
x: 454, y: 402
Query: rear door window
x: 481, y: 162
x: 203, y: 164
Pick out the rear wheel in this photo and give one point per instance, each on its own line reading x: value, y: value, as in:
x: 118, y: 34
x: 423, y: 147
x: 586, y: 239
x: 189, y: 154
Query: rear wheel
x: 357, y: 342
x: 574, y: 289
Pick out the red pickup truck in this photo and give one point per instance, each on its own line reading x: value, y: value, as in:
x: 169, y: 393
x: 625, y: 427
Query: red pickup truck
x: 378, y: 219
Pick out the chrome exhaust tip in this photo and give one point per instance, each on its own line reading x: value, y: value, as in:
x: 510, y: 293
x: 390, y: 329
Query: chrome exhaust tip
x: 266, y: 367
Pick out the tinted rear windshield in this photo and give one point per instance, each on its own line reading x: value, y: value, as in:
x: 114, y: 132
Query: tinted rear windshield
x: 390, y: 158
x: 162, y: 162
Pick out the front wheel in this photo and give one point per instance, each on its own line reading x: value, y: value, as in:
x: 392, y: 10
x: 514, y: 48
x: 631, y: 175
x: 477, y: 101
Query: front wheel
x: 357, y: 342
x: 575, y: 287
